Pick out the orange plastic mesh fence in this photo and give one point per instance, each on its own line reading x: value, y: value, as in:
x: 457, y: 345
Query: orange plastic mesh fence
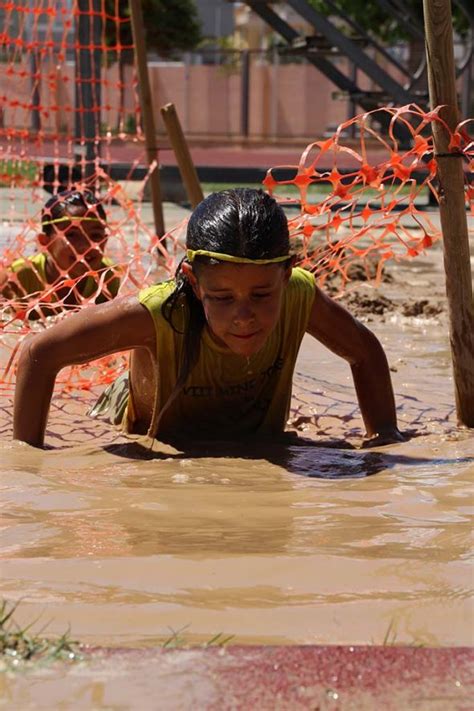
x: 357, y: 200
x: 372, y: 211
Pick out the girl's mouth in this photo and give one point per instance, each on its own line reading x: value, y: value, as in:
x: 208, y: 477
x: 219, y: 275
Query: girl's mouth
x: 245, y: 336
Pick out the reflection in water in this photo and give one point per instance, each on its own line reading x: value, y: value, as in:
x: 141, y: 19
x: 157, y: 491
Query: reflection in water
x: 292, y: 542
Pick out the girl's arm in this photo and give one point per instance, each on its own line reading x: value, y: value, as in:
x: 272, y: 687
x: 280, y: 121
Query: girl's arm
x: 333, y: 326
x: 94, y: 332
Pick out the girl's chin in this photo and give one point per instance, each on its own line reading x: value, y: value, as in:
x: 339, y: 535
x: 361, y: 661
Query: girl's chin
x: 245, y: 349
x: 80, y: 268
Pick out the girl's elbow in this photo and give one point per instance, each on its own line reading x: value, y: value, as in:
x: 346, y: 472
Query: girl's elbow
x: 370, y: 349
x: 35, y: 354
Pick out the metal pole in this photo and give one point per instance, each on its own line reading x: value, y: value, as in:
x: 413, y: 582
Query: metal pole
x: 467, y: 97
x: 147, y: 113
x: 245, y: 84
x: 97, y: 71
x: 36, y: 96
x: 452, y: 207
x: 87, y: 109
x: 274, y: 96
x: 187, y: 85
x: 352, y: 103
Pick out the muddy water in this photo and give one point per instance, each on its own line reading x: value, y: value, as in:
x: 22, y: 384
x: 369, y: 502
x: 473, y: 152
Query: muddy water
x: 309, y: 541
x: 304, y: 542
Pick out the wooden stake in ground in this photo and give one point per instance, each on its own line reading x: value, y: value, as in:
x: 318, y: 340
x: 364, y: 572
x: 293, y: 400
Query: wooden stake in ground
x: 183, y: 156
x: 147, y: 112
x: 452, y: 207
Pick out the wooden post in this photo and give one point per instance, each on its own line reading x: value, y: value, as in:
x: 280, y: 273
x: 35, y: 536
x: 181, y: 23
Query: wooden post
x: 452, y: 208
x: 147, y: 112
x: 183, y: 156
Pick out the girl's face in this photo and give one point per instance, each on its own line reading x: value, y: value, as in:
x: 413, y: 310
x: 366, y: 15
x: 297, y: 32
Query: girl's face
x: 242, y: 302
x: 76, y: 246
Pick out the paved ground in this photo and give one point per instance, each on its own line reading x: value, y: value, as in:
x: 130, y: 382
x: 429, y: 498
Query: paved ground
x: 243, y: 155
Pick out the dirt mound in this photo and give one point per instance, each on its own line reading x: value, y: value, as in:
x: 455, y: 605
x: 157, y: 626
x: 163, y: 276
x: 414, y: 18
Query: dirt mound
x: 363, y: 298
x: 422, y: 307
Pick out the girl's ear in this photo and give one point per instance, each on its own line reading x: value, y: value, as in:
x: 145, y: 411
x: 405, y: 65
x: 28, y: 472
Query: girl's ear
x: 43, y: 239
x: 187, y: 270
x: 289, y: 269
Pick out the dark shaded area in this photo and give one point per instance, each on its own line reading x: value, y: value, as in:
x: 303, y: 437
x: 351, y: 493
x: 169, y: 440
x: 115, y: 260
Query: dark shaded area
x: 324, y: 459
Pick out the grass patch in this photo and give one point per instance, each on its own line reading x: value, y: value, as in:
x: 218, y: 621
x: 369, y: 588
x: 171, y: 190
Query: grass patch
x: 391, y: 638
x: 176, y: 639
x: 320, y: 191
x: 18, y: 172
x: 19, y: 645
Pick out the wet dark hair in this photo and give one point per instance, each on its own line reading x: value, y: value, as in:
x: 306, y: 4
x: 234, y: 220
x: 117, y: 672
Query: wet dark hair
x: 241, y: 222
x: 57, y: 207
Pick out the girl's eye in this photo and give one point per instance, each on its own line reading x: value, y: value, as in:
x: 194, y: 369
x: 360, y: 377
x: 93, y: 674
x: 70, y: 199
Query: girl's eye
x: 221, y: 299
x: 261, y: 296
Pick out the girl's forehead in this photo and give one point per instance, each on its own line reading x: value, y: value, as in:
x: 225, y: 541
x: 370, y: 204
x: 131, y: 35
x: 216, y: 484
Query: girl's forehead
x: 80, y: 210
x: 226, y: 275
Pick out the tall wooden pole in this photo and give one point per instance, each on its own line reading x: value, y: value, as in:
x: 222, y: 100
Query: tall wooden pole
x: 452, y: 208
x: 183, y: 156
x: 147, y: 112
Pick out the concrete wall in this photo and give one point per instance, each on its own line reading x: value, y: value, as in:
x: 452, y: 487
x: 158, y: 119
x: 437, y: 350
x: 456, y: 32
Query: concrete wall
x: 291, y: 101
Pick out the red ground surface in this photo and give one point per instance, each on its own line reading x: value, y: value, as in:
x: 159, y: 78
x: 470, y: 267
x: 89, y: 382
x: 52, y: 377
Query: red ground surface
x: 213, y: 155
x: 307, y: 677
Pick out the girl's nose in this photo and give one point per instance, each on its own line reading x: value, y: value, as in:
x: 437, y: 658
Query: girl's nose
x: 82, y: 244
x: 244, y: 313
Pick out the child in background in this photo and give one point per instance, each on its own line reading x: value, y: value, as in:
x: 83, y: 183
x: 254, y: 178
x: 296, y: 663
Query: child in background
x: 73, y: 239
x: 213, y: 350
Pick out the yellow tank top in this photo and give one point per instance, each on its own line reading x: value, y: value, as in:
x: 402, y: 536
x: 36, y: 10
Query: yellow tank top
x: 227, y: 395
x: 31, y: 273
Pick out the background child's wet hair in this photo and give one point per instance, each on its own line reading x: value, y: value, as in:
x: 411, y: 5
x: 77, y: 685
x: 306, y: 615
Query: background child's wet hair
x: 242, y: 222
x: 58, y: 206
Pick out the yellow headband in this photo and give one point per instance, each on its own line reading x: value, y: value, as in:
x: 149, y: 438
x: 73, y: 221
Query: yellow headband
x: 191, y: 254
x: 72, y: 219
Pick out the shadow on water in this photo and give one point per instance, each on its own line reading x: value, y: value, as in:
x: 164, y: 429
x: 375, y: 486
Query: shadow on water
x: 329, y: 459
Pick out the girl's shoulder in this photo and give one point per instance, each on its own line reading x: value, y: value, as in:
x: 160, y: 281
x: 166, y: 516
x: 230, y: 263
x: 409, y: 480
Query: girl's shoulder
x: 35, y: 263
x: 301, y: 285
x: 31, y: 272
x: 154, y: 296
x: 299, y: 300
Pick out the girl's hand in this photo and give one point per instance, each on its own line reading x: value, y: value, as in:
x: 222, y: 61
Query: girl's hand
x: 387, y: 435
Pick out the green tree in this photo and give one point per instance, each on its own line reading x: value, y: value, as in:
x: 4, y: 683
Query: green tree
x: 169, y: 25
x: 390, y: 28
x: 377, y: 21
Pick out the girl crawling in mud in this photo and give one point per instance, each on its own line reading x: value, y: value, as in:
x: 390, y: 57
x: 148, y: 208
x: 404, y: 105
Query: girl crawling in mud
x: 213, y: 350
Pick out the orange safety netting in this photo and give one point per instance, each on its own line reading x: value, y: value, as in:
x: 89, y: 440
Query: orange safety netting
x: 350, y: 206
x: 371, y: 212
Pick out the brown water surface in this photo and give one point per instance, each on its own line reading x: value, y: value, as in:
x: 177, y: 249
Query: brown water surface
x: 296, y: 543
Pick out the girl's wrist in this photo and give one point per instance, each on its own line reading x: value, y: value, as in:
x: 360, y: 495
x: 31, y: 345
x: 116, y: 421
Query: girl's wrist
x: 384, y: 435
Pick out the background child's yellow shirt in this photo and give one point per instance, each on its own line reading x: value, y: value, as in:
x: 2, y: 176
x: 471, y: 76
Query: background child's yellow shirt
x: 31, y: 274
x: 227, y: 395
